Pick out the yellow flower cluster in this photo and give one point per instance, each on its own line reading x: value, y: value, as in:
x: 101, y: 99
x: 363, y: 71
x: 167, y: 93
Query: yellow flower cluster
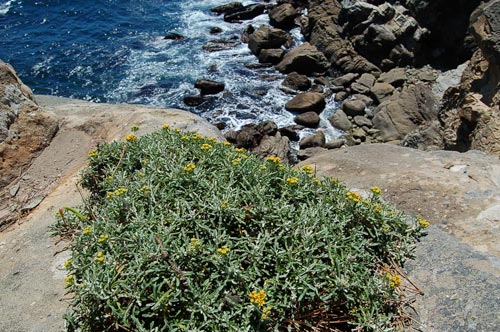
x: 308, y: 169
x: 236, y: 161
x: 130, y: 138
x: 423, y: 223
x: 165, y: 127
x: 67, y: 264
x: 224, y: 204
x: 274, y: 159
x: 197, y: 136
x: 189, y: 167
x: 185, y: 137
x: 69, y: 280
x: 316, y: 180
x: 177, y: 130
x: 103, y: 238
x: 87, y: 230
x: 206, y: 147
x: 224, y: 250
x: 262, y: 167
x: 293, y: 180
x: 240, y: 150
x: 226, y: 143
x: 265, y: 312
x: 145, y: 189
x: 134, y: 128
x: 395, y: 280
x: 377, y: 208
x: 375, y: 190
x: 93, y: 153
x: 195, y: 245
x: 99, y: 257
x: 354, y: 196
x: 258, y: 297
x: 117, y: 192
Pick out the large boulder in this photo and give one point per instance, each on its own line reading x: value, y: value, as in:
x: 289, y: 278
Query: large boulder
x: 340, y: 121
x: 227, y: 8
x: 209, y: 87
x: 25, y: 129
x: 266, y: 37
x: 306, y: 102
x: 307, y: 119
x: 304, y: 59
x: 271, y: 55
x: 297, y: 81
x: 245, y: 13
x: 398, y: 116
x: 283, y: 16
x: 470, y: 112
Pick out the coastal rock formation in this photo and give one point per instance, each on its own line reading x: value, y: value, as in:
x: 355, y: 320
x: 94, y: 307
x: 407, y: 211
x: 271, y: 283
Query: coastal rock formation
x: 25, y: 129
x: 209, y: 87
x: 306, y: 102
x: 304, y: 59
x: 283, y: 16
x: 267, y: 37
x: 244, y: 13
x: 460, y: 195
x: 471, y: 112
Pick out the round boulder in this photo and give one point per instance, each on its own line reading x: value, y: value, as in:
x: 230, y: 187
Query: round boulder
x: 271, y: 55
x: 297, y: 81
x: 267, y: 37
x: 304, y: 59
x: 306, y: 102
x: 208, y: 87
x: 308, y: 119
x: 354, y: 107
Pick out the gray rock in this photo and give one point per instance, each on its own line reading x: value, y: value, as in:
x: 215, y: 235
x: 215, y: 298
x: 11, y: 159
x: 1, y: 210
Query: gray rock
x: 310, y: 152
x: 209, y: 87
x: 227, y: 8
x: 306, y: 102
x: 271, y: 55
x: 297, y: 81
x: 395, y: 77
x: 381, y: 91
x: 346, y: 79
x: 312, y: 141
x: 364, y: 98
x: 304, y: 59
x: 276, y: 145
x: 283, y: 16
x: 341, y: 96
x: 335, y: 144
x: 353, y: 107
x: 340, y: 121
x: 267, y: 37
x: 308, y: 119
x: 361, y: 121
x: 367, y: 80
x: 245, y: 13
x: 359, y: 133
x: 360, y: 88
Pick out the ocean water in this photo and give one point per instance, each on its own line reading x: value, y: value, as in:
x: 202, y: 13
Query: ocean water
x: 114, y: 51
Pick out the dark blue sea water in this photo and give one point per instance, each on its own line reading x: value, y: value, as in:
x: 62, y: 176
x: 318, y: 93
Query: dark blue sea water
x: 113, y: 51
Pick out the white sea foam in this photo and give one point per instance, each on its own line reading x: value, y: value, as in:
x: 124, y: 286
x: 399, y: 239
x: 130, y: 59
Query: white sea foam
x: 5, y: 6
x: 164, y: 71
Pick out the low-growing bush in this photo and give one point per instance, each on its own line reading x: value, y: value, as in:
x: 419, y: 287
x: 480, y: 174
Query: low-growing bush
x: 183, y: 233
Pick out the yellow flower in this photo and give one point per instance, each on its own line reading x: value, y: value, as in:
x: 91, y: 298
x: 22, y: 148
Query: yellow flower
x: 423, y: 223
x: 236, y: 161
x: 265, y: 312
x: 281, y: 167
x: 206, y: 147
x: 93, y: 153
x: 145, y: 189
x: 197, y: 136
x: 375, y: 190
x: 224, y: 204
x: 224, y: 250
x: 262, y: 167
x: 354, y: 197
x: 226, y: 143
x: 394, y: 280
x: 189, y: 167
x: 67, y: 264
x: 87, y: 230
x: 99, y: 257
x: 109, y: 194
x: 194, y: 245
x: 103, y: 238
x: 377, y: 208
x: 142, y: 174
x: 120, y: 191
x: 177, y: 130
x: 274, y: 159
x: 315, y: 181
x: 258, y: 297
x: 308, y: 169
x: 165, y: 127
x: 293, y: 180
x: 130, y: 138
x: 69, y: 280
x: 185, y: 137
x: 239, y: 150
x: 134, y: 128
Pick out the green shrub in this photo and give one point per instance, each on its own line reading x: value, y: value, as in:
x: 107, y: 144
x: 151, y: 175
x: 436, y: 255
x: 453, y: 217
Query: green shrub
x: 182, y: 233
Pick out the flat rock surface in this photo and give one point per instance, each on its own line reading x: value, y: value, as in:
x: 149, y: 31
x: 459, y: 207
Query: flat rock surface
x: 32, y: 296
x: 457, y: 265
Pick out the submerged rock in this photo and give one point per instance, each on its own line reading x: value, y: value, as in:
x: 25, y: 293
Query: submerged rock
x: 209, y: 87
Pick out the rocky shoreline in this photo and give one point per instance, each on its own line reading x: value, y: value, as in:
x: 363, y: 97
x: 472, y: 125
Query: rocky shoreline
x: 401, y: 76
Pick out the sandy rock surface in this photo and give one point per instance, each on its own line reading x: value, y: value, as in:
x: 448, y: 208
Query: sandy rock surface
x: 457, y: 265
x: 32, y: 296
